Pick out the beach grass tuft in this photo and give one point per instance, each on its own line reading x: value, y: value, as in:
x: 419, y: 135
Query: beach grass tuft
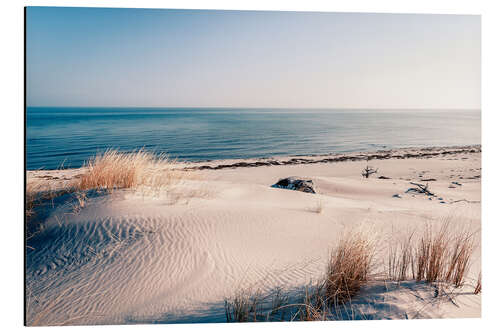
x: 348, y: 268
x: 401, y: 259
x: 145, y: 172
x: 439, y: 256
x: 347, y: 271
x: 436, y: 255
x: 113, y: 170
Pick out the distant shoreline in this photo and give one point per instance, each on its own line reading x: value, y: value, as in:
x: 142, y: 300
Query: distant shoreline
x: 397, y: 153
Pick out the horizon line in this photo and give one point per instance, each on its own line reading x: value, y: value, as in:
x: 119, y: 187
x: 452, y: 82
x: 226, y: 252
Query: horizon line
x: 250, y: 108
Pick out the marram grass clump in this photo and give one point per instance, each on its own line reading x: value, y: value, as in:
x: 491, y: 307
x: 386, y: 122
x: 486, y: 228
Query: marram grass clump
x: 115, y: 170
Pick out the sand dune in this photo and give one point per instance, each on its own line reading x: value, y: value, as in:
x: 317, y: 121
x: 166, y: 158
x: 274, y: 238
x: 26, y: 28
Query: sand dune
x: 134, y: 256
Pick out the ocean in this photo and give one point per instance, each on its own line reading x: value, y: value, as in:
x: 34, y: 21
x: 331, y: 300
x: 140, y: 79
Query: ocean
x: 66, y: 137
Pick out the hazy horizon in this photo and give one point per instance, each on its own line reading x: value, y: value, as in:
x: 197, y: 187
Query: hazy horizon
x: 162, y: 58
x: 242, y: 108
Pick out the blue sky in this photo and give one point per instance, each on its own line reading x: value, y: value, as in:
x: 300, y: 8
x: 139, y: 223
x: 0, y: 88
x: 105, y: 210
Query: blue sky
x: 187, y: 58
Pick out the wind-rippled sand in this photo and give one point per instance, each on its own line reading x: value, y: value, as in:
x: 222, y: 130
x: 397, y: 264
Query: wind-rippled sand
x: 139, y: 257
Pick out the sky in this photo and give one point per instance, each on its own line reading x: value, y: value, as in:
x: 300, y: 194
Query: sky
x: 198, y: 58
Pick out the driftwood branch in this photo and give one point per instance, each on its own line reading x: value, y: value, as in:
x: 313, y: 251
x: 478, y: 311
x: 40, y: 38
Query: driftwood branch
x: 465, y: 200
x: 368, y: 171
x: 421, y: 188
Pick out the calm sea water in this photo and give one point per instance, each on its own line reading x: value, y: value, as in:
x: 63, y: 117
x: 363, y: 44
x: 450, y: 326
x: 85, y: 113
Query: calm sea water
x: 69, y: 136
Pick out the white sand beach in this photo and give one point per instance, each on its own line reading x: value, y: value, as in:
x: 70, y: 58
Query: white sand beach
x: 145, y: 255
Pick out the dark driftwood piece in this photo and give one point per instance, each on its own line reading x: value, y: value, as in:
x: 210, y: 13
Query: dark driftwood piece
x: 421, y: 188
x: 368, y: 171
x: 465, y: 200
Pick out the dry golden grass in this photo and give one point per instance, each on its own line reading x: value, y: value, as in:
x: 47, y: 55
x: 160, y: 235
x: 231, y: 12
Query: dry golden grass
x: 401, y: 260
x: 107, y: 171
x: 244, y: 307
x: 438, y: 255
x: 347, y: 271
x: 37, y: 191
x: 314, y: 307
x: 444, y: 255
x: 248, y: 306
x: 461, y: 248
x: 431, y: 254
x: 144, y: 172
x: 478, y: 287
x: 113, y: 170
x: 39, y: 194
x: 348, y: 268
x: 32, y: 197
x: 81, y: 198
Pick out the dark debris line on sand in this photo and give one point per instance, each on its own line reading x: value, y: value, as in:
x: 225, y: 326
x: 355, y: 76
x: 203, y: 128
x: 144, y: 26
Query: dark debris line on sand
x: 419, y: 153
